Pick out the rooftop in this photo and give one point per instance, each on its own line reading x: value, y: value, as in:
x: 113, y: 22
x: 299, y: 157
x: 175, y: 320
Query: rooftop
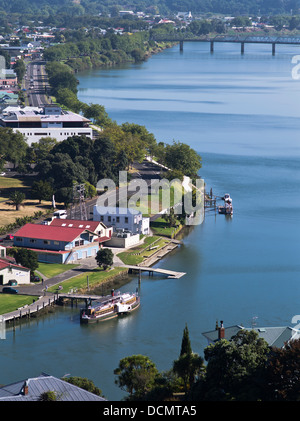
x: 49, y: 232
x: 75, y: 223
x: 274, y: 336
x: 32, y: 388
x: 38, y: 115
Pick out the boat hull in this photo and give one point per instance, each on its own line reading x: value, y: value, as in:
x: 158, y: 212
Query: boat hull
x: 114, y: 314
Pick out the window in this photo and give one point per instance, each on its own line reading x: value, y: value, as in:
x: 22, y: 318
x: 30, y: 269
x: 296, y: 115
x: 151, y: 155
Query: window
x: 46, y: 242
x: 126, y: 219
x: 56, y: 243
x: 19, y: 239
x: 118, y: 219
x: 109, y: 218
x: 32, y: 240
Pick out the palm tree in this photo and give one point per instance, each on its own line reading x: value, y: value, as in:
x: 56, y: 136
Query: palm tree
x: 16, y: 199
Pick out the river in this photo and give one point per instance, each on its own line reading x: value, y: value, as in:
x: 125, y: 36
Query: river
x: 241, y: 113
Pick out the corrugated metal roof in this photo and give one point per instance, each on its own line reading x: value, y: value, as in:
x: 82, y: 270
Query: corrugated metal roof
x: 274, y: 336
x: 48, y: 232
x: 45, y: 383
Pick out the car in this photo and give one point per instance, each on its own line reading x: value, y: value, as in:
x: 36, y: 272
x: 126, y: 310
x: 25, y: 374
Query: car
x: 2, y: 174
x: 9, y: 290
x: 35, y: 278
x: 9, y: 237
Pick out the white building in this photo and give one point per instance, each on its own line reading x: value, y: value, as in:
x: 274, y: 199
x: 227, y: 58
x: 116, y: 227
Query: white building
x: 49, y: 121
x: 122, y: 219
x: 10, y: 271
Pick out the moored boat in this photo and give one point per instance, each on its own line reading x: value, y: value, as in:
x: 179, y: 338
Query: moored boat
x: 112, y: 306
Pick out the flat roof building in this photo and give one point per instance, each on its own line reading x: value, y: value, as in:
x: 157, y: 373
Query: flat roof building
x: 35, y: 123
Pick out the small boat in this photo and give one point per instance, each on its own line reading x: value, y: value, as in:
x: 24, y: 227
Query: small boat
x: 111, y: 306
x: 225, y: 210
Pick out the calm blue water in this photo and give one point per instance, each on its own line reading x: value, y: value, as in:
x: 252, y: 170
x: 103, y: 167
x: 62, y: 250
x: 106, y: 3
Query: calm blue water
x: 241, y: 114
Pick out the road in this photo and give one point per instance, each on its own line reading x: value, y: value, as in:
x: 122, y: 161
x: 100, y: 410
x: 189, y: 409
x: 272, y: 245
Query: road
x: 145, y: 171
x: 36, y: 84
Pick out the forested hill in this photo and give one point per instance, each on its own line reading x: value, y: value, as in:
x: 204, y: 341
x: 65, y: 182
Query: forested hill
x: 81, y: 7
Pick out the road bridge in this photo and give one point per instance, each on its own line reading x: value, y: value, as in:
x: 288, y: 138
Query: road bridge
x: 241, y: 39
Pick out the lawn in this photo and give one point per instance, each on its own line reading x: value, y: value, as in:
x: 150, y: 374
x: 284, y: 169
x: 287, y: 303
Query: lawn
x: 95, y: 277
x: 52, y: 269
x: 161, y: 227
x: 137, y: 254
x: 8, y: 213
x: 9, y: 302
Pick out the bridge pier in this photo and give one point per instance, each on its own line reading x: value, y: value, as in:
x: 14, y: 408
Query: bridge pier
x: 181, y: 46
x: 273, y: 49
x: 211, y: 46
x: 242, y: 47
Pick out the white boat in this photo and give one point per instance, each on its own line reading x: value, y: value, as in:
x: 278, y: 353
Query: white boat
x: 111, y: 306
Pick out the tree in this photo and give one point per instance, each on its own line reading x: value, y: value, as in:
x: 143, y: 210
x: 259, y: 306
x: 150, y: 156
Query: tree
x: 20, y: 69
x: 42, y: 190
x: 283, y: 373
x: 16, y: 199
x: 185, y: 343
x: 49, y: 396
x: 170, y: 217
x: 26, y: 258
x: 189, y: 366
x: 182, y: 157
x: 13, y: 146
x: 233, y: 366
x: 136, y: 375
x: 84, y: 383
x: 104, y: 258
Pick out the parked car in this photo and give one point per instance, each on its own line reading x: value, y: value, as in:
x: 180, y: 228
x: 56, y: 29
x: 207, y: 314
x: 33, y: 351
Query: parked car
x: 9, y: 237
x: 9, y: 290
x: 35, y: 278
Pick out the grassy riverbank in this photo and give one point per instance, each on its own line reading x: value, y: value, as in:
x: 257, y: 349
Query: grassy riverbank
x: 92, y: 278
x: 9, y: 303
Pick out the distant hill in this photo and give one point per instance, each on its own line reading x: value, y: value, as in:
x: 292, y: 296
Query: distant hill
x: 81, y: 7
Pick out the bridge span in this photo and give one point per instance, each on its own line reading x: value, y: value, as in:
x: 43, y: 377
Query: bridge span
x: 241, y: 39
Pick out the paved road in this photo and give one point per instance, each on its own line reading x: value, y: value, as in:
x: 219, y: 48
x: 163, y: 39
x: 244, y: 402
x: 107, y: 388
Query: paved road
x: 36, y: 84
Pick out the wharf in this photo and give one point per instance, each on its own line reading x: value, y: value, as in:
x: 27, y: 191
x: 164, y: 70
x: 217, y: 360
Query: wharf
x: 170, y: 273
x: 30, y: 309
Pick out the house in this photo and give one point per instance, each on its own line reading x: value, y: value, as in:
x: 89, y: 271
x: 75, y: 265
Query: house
x: 104, y: 233
x: 35, y: 123
x: 122, y: 219
x: 10, y: 271
x: 8, y: 78
x: 274, y: 336
x: 32, y: 388
x: 58, y: 244
x: 8, y: 98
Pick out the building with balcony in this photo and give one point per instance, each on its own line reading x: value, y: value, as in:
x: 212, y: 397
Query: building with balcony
x: 49, y: 121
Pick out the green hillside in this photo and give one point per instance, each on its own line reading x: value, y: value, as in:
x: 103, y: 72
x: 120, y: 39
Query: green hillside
x: 81, y: 7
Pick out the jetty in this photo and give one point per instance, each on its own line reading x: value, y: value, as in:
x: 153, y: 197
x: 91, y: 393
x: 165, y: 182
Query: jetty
x: 169, y: 273
x: 28, y: 310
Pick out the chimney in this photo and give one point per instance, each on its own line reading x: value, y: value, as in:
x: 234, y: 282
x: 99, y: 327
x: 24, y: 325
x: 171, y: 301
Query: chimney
x: 25, y: 389
x: 221, y: 330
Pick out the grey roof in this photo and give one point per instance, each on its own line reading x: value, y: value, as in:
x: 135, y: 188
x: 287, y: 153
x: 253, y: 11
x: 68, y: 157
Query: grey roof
x: 274, y: 336
x: 36, y: 386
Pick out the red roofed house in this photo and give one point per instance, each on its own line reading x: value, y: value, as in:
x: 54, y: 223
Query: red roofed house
x: 9, y: 270
x: 59, y: 243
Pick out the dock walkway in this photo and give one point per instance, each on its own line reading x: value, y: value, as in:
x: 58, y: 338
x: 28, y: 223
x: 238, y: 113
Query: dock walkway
x: 30, y: 309
x: 170, y: 273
